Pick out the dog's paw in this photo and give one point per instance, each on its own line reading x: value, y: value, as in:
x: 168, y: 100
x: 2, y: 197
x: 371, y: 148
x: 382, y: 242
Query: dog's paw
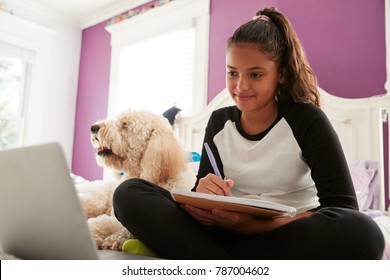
x: 113, y: 242
x: 116, y: 240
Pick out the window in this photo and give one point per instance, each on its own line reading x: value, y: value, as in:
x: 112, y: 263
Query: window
x: 13, y: 79
x: 159, y: 59
x: 160, y: 68
x: 24, y: 54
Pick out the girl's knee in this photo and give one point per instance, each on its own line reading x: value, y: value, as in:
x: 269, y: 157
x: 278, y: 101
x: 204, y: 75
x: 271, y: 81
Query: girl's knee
x: 357, y: 233
x: 127, y: 191
x: 133, y: 190
x: 126, y: 197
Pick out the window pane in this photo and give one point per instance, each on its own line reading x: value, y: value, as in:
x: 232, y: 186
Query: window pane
x: 157, y: 73
x: 12, y: 82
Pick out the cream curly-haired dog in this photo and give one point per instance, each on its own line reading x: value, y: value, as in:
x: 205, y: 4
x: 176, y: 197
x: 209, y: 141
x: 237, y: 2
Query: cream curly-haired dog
x: 136, y: 144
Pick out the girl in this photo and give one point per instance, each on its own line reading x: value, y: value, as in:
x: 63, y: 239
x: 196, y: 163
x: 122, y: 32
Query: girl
x: 275, y: 144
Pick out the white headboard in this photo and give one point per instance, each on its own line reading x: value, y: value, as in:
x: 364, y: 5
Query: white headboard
x: 358, y: 122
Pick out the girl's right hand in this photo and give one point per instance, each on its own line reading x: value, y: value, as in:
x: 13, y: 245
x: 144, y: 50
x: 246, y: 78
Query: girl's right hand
x: 213, y: 184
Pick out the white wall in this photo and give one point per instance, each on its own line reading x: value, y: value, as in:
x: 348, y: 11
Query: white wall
x: 60, y: 95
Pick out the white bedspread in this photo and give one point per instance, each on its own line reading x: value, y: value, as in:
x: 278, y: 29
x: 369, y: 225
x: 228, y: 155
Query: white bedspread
x: 384, y: 224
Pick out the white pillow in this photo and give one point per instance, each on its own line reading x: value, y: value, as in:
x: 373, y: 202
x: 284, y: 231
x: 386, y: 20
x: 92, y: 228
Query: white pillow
x: 362, y: 178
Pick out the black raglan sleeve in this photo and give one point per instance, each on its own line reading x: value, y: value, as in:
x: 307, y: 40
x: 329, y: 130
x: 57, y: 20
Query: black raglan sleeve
x: 324, y: 155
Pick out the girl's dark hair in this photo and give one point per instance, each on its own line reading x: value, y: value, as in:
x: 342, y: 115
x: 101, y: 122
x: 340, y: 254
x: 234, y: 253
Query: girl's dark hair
x: 274, y: 35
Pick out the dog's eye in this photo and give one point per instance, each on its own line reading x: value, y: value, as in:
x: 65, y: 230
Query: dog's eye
x: 125, y: 125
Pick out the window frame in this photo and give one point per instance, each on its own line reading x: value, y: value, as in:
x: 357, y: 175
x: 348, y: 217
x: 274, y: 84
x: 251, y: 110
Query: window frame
x: 179, y: 13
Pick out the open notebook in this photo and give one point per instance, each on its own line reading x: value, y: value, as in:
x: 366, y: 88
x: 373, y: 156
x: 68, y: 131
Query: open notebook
x: 40, y: 213
x: 260, y: 208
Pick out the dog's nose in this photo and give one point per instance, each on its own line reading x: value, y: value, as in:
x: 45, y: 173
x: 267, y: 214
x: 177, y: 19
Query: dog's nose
x: 95, y: 128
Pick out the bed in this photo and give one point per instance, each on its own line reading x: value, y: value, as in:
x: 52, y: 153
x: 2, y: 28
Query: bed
x: 363, y: 128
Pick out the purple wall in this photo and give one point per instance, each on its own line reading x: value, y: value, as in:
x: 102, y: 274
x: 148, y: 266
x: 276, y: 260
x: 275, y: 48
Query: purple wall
x: 92, y: 98
x: 350, y: 52
x: 344, y: 41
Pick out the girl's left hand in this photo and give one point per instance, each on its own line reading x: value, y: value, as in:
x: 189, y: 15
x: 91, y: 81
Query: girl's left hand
x: 239, y: 222
x: 236, y: 221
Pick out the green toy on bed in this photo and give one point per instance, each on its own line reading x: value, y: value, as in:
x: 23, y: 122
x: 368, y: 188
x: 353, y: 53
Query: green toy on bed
x: 135, y: 246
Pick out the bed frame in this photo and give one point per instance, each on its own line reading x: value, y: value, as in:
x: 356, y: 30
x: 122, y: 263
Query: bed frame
x: 360, y: 123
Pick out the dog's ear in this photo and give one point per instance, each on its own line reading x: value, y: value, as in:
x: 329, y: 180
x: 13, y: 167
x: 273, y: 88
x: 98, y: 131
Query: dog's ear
x: 163, y: 159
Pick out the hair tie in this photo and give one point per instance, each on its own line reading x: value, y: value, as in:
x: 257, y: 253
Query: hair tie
x: 262, y: 17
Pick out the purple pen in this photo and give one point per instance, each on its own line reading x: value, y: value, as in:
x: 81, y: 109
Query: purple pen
x: 212, y: 160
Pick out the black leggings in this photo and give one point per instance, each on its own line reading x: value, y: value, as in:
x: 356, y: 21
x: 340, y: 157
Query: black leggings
x: 150, y: 214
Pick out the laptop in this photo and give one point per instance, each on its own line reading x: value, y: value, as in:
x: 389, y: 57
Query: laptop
x: 40, y: 213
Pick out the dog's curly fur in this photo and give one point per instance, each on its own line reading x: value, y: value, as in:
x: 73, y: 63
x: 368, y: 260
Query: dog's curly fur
x: 135, y: 144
